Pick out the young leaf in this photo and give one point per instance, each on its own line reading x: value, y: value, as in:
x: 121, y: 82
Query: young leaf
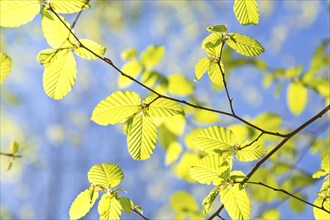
x: 212, y: 44
x: 178, y: 84
x: 133, y: 69
x: 211, y: 169
x: 71, y: 6
x: 215, y: 73
x: 16, y: 13
x: 163, y: 108
x: 297, y: 97
x: 320, y: 214
x: 93, y: 46
x: 173, y: 152
x: 183, y: 201
x: 152, y: 55
x: 209, y: 199
x: 56, y: 33
x: 142, y: 137
x: 5, y: 67
x: 246, y: 11
x: 217, y: 28
x: 244, y: 45
x: 183, y: 166
x: 13, y: 149
x: 82, y: 204
x: 106, y: 175
x: 249, y: 153
x: 116, y: 108
x: 213, y: 138
x: 236, y: 202
x: 109, y: 208
x: 129, y: 54
x: 325, y: 168
x: 60, y: 75
x: 126, y: 203
x: 201, y: 67
x: 47, y: 56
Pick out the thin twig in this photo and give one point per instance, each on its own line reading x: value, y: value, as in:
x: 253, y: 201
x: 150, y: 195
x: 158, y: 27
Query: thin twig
x: 139, y: 213
x: 10, y: 155
x: 252, y: 142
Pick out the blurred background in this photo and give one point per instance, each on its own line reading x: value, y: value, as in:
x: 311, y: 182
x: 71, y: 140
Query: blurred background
x: 59, y: 143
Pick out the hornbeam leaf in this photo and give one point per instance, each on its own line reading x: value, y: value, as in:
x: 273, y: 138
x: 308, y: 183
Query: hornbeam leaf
x: 109, y: 208
x: 47, y: 56
x: 152, y: 55
x: 249, y: 153
x: 211, y: 169
x: 215, y: 73
x: 325, y: 164
x: 56, y: 33
x: 71, y: 6
x: 209, y: 199
x: 320, y: 214
x: 142, y: 137
x: 217, y: 28
x: 163, y: 108
x: 297, y: 97
x: 214, y: 137
x: 133, y: 69
x: 212, y: 44
x: 82, y: 204
x: 60, y: 75
x: 178, y: 84
x: 105, y: 175
x: 116, y: 108
x: 91, y: 45
x: 5, y: 67
x: 181, y: 201
x: 244, y: 45
x: 126, y: 203
x: 201, y: 67
x: 16, y: 13
x: 246, y: 11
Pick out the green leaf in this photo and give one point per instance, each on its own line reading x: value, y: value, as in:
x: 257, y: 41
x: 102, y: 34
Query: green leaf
x: 152, y: 55
x: 214, y: 137
x: 56, y: 33
x: 71, y: 6
x: 270, y: 214
x: 105, y: 175
x: 175, y: 124
x: 178, y: 84
x: 109, y: 208
x: 182, y: 201
x: 116, y: 108
x: 5, y: 67
x: 209, y: 199
x: 246, y: 11
x: 13, y: 148
x: 209, y: 118
x: 210, y: 169
x: 183, y: 166
x: 297, y: 97
x: 212, y: 44
x: 163, y: 108
x: 129, y: 54
x: 60, y: 75
x: 82, y: 204
x: 47, y: 56
x: 217, y: 28
x: 236, y: 202
x: 142, y: 137
x: 126, y: 203
x: 16, y: 13
x: 215, y: 73
x: 244, y: 45
x: 320, y: 214
x: 133, y: 69
x: 249, y: 153
x: 325, y: 164
x: 201, y: 67
x: 173, y: 152
x: 93, y: 46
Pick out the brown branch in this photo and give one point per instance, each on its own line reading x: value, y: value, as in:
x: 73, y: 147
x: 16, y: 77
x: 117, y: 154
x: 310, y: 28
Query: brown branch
x: 139, y: 213
x: 10, y: 155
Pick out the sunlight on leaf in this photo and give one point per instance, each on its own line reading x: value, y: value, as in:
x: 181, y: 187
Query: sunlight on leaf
x: 215, y: 73
x: 209, y: 199
x: 82, y: 204
x: 93, y: 46
x: 246, y: 11
x: 249, y: 153
x: 133, y: 69
x: 105, y: 175
x: 244, y: 45
x: 320, y: 214
x: 201, y: 67
x: 152, y: 55
x: 182, y: 201
x: 163, y: 108
x: 173, y: 152
x: 5, y: 67
x: 71, y: 6
x: 178, y: 84
x: 109, y: 207
x: 297, y: 97
x: 47, y: 56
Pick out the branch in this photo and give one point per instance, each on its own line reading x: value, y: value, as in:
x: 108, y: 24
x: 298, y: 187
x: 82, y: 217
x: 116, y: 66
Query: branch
x: 10, y: 155
x: 139, y: 213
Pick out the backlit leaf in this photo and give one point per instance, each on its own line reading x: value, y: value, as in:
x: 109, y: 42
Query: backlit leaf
x: 173, y: 152
x: 325, y: 164
x: 133, y: 69
x: 297, y: 97
x: 109, y: 208
x: 244, y: 45
x: 116, y: 108
x: 209, y: 118
x: 18, y: 12
x: 13, y: 148
x: 163, y: 108
x: 175, y: 124
x: 270, y: 214
x: 106, y: 175
x: 93, y: 46
x: 182, y: 168
x: 214, y: 137
x: 82, y: 204
x: 210, y: 169
x: 212, y: 44
x: 178, y: 84
x: 129, y: 54
x: 320, y: 214
x: 47, y: 56
x: 60, y: 75
x: 217, y: 28
x: 142, y: 137
x: 209, y: 199
x: 183, y: 201
x: 201, y: 67
x: 152, y: 55
x: 246, y: 11
x: 249, y: 153
x: 215, y: 73
x: 126, y: 203
x: 69, y: 6
x: 5, y: 67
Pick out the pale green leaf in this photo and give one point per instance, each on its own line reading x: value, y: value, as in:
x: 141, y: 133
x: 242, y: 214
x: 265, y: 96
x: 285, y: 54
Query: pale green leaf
x: 270, y: 214
x: 129, y: 54
x: 319, y: 173
x: 126, y: 203
x: 175, y: 124
x: 209, y: 118
x: 212, y: 44
x: 47, y: 56
x: 13, y: 148
x: 173, y: 152
x: 133, y: 69
x: 182, y: 201
x: 214, y: 137
x: 246, y: 11
x: 178, y: 84
x: 217, y: 28
x: 236, y: 202
x: 109, y: 208
x: 209, y: 199
x: 215, y: 73
x: 142, y: 137
x: 183, y: 166
x: 56, y: 33
x: 71, y: 6
x: 325, y: 164
x: 152, y: 55
x: 244, y: 45
x: 5, y: 67
x: 105, y: 175
x: 82, y: 204
x: 210, y: 169
x: 296, y: 205
x: 320, y: 214
x: 60, y: 75
x: 116, y: 108
x: 297, y: 97
x: 163, y: 108
x: 91, y: 45
x: 201, y: 67
x: 249, y: 153
x: 14, y: 13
